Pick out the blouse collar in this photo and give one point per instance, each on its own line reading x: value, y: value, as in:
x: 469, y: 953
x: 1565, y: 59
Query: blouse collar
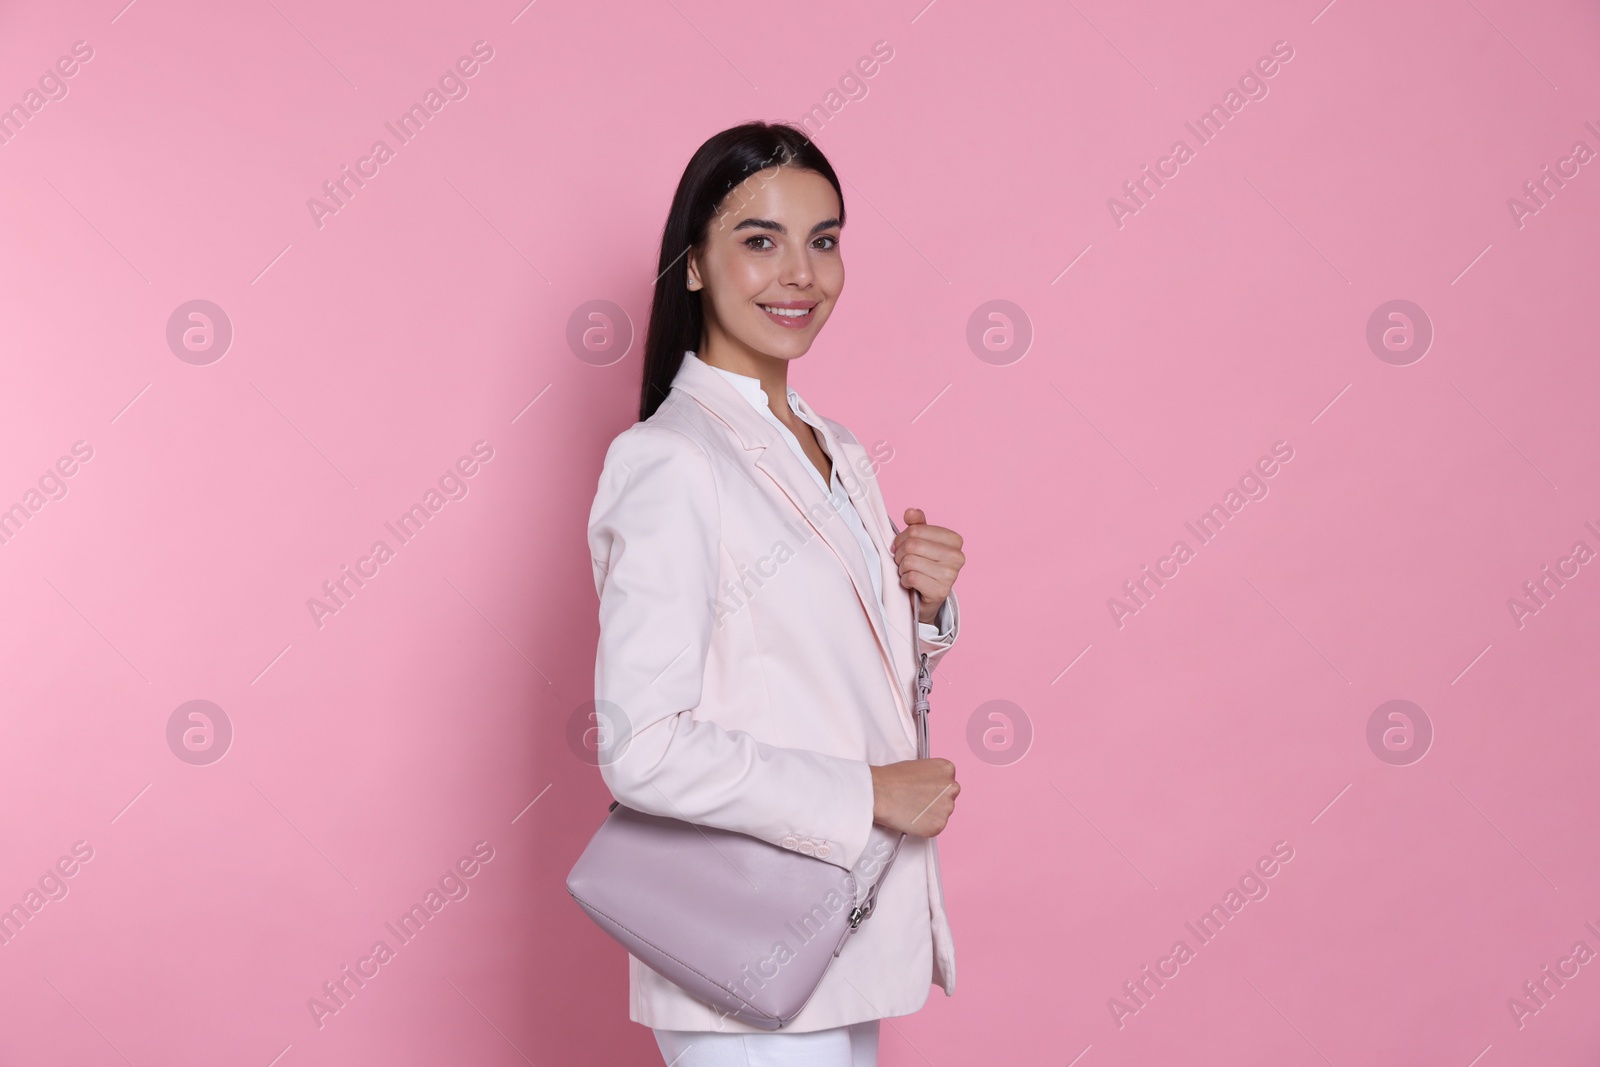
x: 749, y: 387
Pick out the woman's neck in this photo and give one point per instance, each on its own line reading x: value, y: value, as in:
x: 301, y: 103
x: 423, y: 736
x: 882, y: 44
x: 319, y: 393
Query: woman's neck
x: 773, y: 373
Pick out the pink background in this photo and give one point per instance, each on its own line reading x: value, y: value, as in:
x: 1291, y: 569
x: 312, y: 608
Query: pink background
x: 1168, y: 754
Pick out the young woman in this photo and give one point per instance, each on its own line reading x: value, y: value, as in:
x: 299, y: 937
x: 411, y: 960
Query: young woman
x: 756, y: 638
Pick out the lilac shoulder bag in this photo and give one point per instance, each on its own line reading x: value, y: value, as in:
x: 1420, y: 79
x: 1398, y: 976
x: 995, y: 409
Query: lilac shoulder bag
x: 746, y: 926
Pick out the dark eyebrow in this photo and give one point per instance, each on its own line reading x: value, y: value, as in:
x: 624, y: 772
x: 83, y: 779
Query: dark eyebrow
x: 778, y: 227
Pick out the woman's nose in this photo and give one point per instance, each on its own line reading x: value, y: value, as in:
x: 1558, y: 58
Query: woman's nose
x: 796, y: 269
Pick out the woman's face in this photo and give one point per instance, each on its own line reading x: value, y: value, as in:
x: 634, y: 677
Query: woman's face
x: 769, y: 269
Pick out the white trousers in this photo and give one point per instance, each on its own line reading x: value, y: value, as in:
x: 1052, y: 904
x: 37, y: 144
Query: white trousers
x: 842, y: 1046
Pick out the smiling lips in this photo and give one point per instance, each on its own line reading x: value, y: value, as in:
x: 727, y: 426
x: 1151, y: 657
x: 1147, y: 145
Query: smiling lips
x: 790, y: 314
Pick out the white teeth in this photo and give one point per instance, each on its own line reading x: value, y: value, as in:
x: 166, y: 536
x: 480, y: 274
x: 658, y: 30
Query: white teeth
x: 788, y: 313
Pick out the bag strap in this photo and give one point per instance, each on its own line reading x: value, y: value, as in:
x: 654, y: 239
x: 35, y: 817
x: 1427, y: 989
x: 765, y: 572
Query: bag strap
x: 920, y: 707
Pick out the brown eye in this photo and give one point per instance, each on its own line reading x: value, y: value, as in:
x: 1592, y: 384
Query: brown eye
x: 759, y: 237
x: 832, y: 242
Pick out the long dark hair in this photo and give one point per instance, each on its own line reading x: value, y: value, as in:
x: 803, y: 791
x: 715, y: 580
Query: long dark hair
x: 725, y: 160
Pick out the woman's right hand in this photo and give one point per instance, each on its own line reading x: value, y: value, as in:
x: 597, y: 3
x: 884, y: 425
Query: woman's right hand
x: 914, y: 796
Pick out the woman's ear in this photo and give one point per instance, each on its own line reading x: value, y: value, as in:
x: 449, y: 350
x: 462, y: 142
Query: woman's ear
x: 694, y: 274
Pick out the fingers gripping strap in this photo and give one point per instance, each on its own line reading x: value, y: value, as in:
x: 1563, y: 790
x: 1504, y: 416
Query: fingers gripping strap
x: 920, y: 707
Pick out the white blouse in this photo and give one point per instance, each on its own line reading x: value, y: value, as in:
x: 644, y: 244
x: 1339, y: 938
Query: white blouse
x: 750, y: 389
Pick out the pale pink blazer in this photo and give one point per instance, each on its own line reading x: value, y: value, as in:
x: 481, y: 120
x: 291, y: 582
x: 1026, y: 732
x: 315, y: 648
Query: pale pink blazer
x: 741, y: 644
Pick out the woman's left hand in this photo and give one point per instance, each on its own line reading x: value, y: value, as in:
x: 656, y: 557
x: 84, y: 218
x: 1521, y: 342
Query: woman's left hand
x: 929, y: 558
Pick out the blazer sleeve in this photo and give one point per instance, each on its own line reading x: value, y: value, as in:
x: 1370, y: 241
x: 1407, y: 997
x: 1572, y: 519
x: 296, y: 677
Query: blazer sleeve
x: 655, y: 543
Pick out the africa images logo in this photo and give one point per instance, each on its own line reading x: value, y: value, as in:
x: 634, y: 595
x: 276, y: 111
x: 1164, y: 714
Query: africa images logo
x: 452, y: 86
x: 1252, y: 85
x: 454, y: 885
x: 453, y: 485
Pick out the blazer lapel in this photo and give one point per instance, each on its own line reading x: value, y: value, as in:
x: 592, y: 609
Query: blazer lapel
x: 779, y: 463
x: 896, y: 600
x: 850, y: 458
